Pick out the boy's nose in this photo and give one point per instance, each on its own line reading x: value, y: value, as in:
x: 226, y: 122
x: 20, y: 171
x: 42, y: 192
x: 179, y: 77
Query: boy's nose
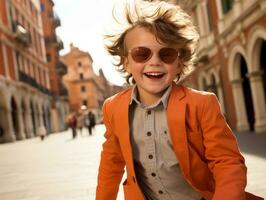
x: 155, y: 59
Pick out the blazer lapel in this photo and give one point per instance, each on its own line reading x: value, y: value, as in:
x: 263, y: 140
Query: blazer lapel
x: 176, y: 112
x: 123, y: 129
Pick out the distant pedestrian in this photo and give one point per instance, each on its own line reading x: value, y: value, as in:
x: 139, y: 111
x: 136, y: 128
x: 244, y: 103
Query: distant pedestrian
x: 90, y: 122
x: 42, y: 132
x: 72, y: 123
x: 80, y: 122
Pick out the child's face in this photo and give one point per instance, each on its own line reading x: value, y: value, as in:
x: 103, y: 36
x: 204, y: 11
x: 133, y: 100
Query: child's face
x: 152, y: 75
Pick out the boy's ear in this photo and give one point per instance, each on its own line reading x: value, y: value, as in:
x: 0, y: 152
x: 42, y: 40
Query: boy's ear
x: 127, y: 65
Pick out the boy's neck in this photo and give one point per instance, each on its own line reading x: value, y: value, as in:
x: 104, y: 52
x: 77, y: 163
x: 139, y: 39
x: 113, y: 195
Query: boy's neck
x: 148, y: 99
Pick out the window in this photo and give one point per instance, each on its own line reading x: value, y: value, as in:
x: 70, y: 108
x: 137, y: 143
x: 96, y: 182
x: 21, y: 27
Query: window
x: 48, y: 57
x: 81, y: 76
x: 18, y: 60
x: 42, y: 7
x: 227, y: 5
x: 83, y: 88
x: 79, y: 63
x: 84, y: 102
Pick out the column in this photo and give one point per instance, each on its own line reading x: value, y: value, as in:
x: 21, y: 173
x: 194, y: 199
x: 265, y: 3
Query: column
x: 37, y: 120
x: 41, y: 119
x: 205, y: 17
x: 20, y: 134
x: 31, y: 123
x: 9, y: 135
x: 5, y: 57
x: 221, y: 97
x: 241, y: 113
x: 200, y: 17
x: 54, y: 120
x: 237, y: 7
x: 258, y: 97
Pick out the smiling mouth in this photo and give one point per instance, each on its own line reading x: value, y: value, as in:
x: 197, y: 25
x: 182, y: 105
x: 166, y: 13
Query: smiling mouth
x: 154, y: 75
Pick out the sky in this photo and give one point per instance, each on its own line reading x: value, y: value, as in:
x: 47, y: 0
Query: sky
x: 83, y: 23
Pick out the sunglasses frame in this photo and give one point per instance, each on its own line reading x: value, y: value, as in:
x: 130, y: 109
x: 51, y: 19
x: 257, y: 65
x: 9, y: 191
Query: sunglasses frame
x: 151, y: 52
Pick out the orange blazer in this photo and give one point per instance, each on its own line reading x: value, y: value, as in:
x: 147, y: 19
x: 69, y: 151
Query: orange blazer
x: 203, y: 143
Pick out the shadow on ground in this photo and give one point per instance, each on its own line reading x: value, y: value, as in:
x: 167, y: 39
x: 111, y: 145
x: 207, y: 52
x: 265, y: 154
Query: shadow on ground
x: 252, y: 143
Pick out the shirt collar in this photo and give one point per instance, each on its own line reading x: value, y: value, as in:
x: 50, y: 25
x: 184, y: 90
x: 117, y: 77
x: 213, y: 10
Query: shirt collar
x: 163, y: 99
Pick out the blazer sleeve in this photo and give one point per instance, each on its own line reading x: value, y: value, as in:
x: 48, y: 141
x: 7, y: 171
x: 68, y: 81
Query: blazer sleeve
x: 112, y: 164
x: 222, y: 153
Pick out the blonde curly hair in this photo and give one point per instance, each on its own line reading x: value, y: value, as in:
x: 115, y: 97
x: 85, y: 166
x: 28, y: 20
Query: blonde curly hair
x: 168, y: 22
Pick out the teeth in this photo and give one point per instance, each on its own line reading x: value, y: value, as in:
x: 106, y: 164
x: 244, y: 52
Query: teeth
x: 154, y: 73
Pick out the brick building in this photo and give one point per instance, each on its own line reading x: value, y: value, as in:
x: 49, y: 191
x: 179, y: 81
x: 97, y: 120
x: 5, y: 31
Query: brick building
x: 53, y: 44
x: 84, y: 86
x: 25, y: 87
x: 232, y: 58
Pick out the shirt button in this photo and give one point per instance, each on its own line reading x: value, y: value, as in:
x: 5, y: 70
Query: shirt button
x: 150, y: 156
x: 148, y: 112
x: 149, y: 133
x: 160, y: 192
x: 153, y: 174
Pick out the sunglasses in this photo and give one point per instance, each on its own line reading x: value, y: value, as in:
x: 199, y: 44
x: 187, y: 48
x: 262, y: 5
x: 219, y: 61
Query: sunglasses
x: 143, y: 54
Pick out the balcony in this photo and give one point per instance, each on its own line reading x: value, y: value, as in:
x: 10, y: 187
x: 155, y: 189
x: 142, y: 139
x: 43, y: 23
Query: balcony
x: 63, y: 92
x: 56, y: 20
x: 59, y: 42
x: 21, y: 35
x: 23, y: 77
x: 61, y: 68
x: 54, y: 40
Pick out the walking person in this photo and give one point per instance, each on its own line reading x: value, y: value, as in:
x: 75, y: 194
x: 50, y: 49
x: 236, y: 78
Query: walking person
x: 91, y: 122
x: 172, y: 140
x: 72, y: 123
x: 80, y: 122
x: 42, y: 132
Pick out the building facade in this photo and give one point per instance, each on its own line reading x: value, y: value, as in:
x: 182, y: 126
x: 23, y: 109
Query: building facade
x: 25, y: 88
x: 84, y: 86
x: 232, y: 58
x: 53, y: 44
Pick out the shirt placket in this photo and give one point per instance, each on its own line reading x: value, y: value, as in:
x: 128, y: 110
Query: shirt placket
x: 156, y: 184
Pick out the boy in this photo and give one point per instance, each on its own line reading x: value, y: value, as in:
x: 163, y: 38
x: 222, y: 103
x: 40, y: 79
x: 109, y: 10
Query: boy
x: 173, y: 140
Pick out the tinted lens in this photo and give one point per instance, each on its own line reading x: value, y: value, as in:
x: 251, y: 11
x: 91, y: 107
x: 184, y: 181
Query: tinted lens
x: 141, y: 54
x: 168, y: 55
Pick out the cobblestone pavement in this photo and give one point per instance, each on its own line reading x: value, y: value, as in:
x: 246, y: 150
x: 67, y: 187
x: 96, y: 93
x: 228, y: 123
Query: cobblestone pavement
x: 60, y: 168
